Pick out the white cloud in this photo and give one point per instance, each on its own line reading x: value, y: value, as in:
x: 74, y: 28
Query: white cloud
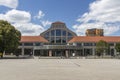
x: 46, y: 23
x: 39, y: 15
x: 29, y: 28
x: 102, y: 14
x: 16, y: 16
x: 22, y: 21
x: 9, y: 3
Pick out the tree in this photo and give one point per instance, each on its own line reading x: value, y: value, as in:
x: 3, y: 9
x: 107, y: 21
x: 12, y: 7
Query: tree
x: 101, y: 47
x: 9, y: 37
x: 117, y: 47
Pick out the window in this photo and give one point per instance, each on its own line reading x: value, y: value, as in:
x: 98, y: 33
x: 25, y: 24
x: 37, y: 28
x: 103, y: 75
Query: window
x: 111, y: 44
x: 69, y: 34
x: 69, y: 38
x: 52, y: 39
x: 79, y: 44
x: 64, y: 33
x: 28, y: 44
x: 58, y: 32
x: 37, y: 44
x: 47, y: 34
x: 58, y: 39
x: 63, y: 39
x: 20, y: 44
x: 47, y: 38
x: 53, y: 33
x: 88, y: 44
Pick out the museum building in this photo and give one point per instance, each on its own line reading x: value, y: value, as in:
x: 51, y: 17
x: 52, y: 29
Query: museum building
x: 58, y: 41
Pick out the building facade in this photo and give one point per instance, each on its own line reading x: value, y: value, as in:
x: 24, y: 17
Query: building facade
x: 94, y: 32
x: 59, y: 41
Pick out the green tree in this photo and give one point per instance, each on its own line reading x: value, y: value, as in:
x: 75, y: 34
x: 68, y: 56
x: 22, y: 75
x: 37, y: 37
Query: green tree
x: 101, y: 47
x: 9, y: 37
x: 117, y: 47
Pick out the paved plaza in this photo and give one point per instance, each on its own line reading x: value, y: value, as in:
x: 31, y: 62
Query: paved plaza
x: 59, y: 69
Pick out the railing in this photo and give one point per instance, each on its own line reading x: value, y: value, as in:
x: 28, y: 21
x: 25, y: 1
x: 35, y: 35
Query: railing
x: 57, y: 47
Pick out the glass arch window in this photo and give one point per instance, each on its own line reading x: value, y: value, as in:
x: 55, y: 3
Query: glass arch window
x: 52, y: 39
x: 69, y: 34
x: 47, y: 34
x: 58, y: 39
x: 63, y: 33
x: 53, y: 33
x: 63, y: 39
x: 58, y: 32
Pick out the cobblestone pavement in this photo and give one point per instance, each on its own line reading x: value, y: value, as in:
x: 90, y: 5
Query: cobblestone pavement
x: 59, y: 69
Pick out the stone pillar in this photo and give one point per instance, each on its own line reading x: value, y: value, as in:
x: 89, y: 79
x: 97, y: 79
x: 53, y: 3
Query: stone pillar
x: 66, y: 53
x: 33, y: 49
x: 93, y: 51
x: 83, y: 49
x: 22, y: 49
x: 115, y: 52
x: 83, y: 52
x: 50, y: 53
x: 33, y: 52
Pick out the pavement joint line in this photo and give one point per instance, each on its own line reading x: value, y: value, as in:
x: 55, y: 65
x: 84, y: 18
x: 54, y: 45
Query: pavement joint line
x: 77, y: 64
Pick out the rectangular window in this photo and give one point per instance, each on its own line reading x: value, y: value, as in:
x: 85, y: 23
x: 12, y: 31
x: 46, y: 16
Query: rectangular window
x: 63, y: 39
x: 79, y: 44
x: 111, y: 44
x: 88, y: 44
x: 20, y: 44
x: 37, y: 44
x: 58, y: 39
x: 53, y: 33
x: 52, y: 39
x: 28, y: 44
x: 58, y: 32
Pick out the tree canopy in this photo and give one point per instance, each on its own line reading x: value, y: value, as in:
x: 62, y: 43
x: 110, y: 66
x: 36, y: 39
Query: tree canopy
x: 9, y: 37
x: 101, y: 47
x: 117, y: 47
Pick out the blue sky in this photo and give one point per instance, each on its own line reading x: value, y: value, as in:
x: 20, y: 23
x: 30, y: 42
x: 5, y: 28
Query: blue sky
x: 32, y: 17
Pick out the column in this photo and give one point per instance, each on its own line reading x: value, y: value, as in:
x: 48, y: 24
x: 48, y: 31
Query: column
x: 33, y: 52
x: 22, y: 49
x: 66, y: 53
x: 115, y: 52
x: 83, y: 52
x: 50, y: 53
x: 93, y: 51
x: 83, y: 49
x: 33, y: 49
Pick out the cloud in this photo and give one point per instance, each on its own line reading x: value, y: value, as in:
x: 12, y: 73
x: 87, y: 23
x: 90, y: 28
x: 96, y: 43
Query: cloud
x: 46, y: 23
x: 29, y: 28
x: 102, y: 14
x: 22, y: 21
x: 9, y: 3
x: 16, y: 16
x: 39, y: 15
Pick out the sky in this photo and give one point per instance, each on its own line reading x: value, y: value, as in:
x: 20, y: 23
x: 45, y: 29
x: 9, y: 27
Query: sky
x: 32, y: 17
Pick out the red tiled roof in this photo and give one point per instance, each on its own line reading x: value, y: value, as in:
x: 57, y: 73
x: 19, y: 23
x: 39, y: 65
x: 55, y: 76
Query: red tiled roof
x: 95, y: 39
x: 33, y: 39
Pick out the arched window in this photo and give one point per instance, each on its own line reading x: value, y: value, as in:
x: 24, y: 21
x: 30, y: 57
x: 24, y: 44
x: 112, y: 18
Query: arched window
x: 69, y: 34
x: 52, y: 32
x: 47, y: 34
x: 58, y: 32
x: 64, y: 33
